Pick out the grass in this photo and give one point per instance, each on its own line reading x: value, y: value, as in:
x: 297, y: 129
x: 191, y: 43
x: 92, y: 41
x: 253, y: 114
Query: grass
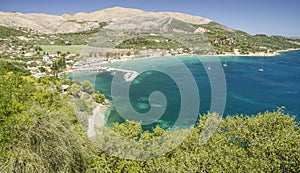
x: 64, y: 49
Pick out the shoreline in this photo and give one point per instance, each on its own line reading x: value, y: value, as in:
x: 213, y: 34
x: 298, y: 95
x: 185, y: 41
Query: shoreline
x: 100, y: 113
x: 130, y: 74
x: 256, y: 54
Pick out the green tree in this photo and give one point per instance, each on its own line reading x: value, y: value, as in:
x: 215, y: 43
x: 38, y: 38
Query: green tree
x: 128, y: 53
x: 39, y: 130
x: 87, y: 86
x: 76, y: 89
x: 98, y: 97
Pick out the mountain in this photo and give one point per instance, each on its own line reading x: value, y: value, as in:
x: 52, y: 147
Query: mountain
x: 68, y: 23
x: 126, y: 28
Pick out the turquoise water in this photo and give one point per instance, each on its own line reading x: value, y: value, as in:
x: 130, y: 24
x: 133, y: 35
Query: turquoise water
x: 249, y: 90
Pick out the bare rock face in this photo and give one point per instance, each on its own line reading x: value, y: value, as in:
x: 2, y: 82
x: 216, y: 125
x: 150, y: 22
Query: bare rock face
x: 117, y: 18
x: 187, y: 18
x: 144, y: 22
x: 106, y: 15
x: 44, y: 23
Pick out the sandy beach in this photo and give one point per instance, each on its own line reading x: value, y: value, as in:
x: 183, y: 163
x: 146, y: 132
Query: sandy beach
x: 94, y: 65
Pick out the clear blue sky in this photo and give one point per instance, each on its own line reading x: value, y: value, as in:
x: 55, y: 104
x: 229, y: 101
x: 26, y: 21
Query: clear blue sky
x: 272, y: 17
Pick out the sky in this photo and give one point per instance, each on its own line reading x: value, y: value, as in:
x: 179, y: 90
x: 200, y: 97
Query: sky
x: 271, y: 17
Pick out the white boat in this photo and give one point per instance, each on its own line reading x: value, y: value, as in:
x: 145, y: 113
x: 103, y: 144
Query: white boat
x: 225, y: 64
x: 262, y: 67
x: 209, y: 68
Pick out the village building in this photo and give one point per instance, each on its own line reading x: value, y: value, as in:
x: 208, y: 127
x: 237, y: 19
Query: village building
x: 53, y: 54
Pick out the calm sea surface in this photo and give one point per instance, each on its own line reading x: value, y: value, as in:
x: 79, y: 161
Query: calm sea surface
x: 249, y: 90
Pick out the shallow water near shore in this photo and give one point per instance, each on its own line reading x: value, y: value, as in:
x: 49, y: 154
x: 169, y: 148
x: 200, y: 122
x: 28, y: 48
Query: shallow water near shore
x: 249, y: 90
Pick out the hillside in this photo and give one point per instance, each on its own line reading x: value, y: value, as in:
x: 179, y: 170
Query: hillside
x: 120, y: 33
x: 41, y: 132
x: 67, y: 23
x: 114, y: 28
x: 44, y: 118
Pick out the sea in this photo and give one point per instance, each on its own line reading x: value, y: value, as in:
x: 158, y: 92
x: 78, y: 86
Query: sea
x: 249, y: 85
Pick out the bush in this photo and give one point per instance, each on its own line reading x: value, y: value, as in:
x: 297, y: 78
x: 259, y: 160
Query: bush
x: 39, y: 131
x: 87, y: 86
x: 97, y: 97
x: 81, y: 105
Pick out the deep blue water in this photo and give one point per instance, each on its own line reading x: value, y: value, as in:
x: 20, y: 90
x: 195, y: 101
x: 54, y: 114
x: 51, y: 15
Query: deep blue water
x: 249, y: 90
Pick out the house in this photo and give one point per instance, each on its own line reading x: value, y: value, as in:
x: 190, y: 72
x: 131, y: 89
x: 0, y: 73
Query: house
x: 38, y: 62
x: 53, y: 54
x: 29, y: 62
x: 29, y: 54
x: 22, y: 38
x: 38, y: 75
x: 49, y: 63
x: 46, y: 58
x: 69, y: 56
x: 64, y: 88
x: 69, y: 61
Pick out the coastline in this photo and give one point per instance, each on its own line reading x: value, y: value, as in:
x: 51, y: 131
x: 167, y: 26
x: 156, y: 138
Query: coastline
x: 256, y: 54
x: 92, y: 65
x: 100, y: 113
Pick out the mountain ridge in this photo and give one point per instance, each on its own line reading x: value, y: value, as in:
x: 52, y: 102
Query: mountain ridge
x: 82, y: 21
x: 129, y: 28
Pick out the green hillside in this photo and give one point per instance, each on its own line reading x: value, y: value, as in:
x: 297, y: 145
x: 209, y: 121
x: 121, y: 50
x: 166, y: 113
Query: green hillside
x: 40, y: 131
x: 7, y: 32
x: 226, y: 40
x: 150, y: 42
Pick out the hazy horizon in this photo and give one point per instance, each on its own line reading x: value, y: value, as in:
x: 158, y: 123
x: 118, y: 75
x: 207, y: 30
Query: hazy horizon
x: 255, y: 17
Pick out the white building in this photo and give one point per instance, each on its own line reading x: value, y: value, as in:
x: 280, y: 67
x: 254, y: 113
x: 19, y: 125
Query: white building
x: 53, y: 54
x: 46, y: 58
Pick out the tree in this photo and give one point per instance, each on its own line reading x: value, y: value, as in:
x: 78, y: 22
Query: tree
x: 76, y: 89
x: 128, y: 53
x: 99, y: 98
x: 14, y: 93
x: 87, y: 86
x: 39, y: 131
x: 136, y: 52
x: 267, y: 142
x: 55, y: 69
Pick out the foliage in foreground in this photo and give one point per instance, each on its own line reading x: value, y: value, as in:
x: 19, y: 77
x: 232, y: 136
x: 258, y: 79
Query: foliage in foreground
x: 40, y: 132
x: 266, y: 142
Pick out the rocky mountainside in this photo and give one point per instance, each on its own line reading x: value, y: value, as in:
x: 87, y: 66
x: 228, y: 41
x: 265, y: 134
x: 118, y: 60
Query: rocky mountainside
x: 126, y: 28
x: 115, y: 18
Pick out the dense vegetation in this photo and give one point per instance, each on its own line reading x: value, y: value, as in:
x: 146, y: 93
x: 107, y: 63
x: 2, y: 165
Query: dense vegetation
x: 150, y: 42
x: 77, y: 38
x: 17, y: 67
x: 40, y: 131
x: 43, y: 127
x: 7, y: 32
x: 40, y: 127
x: 267, y: 142
x: 220, y: 38
x: 226, y: 40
